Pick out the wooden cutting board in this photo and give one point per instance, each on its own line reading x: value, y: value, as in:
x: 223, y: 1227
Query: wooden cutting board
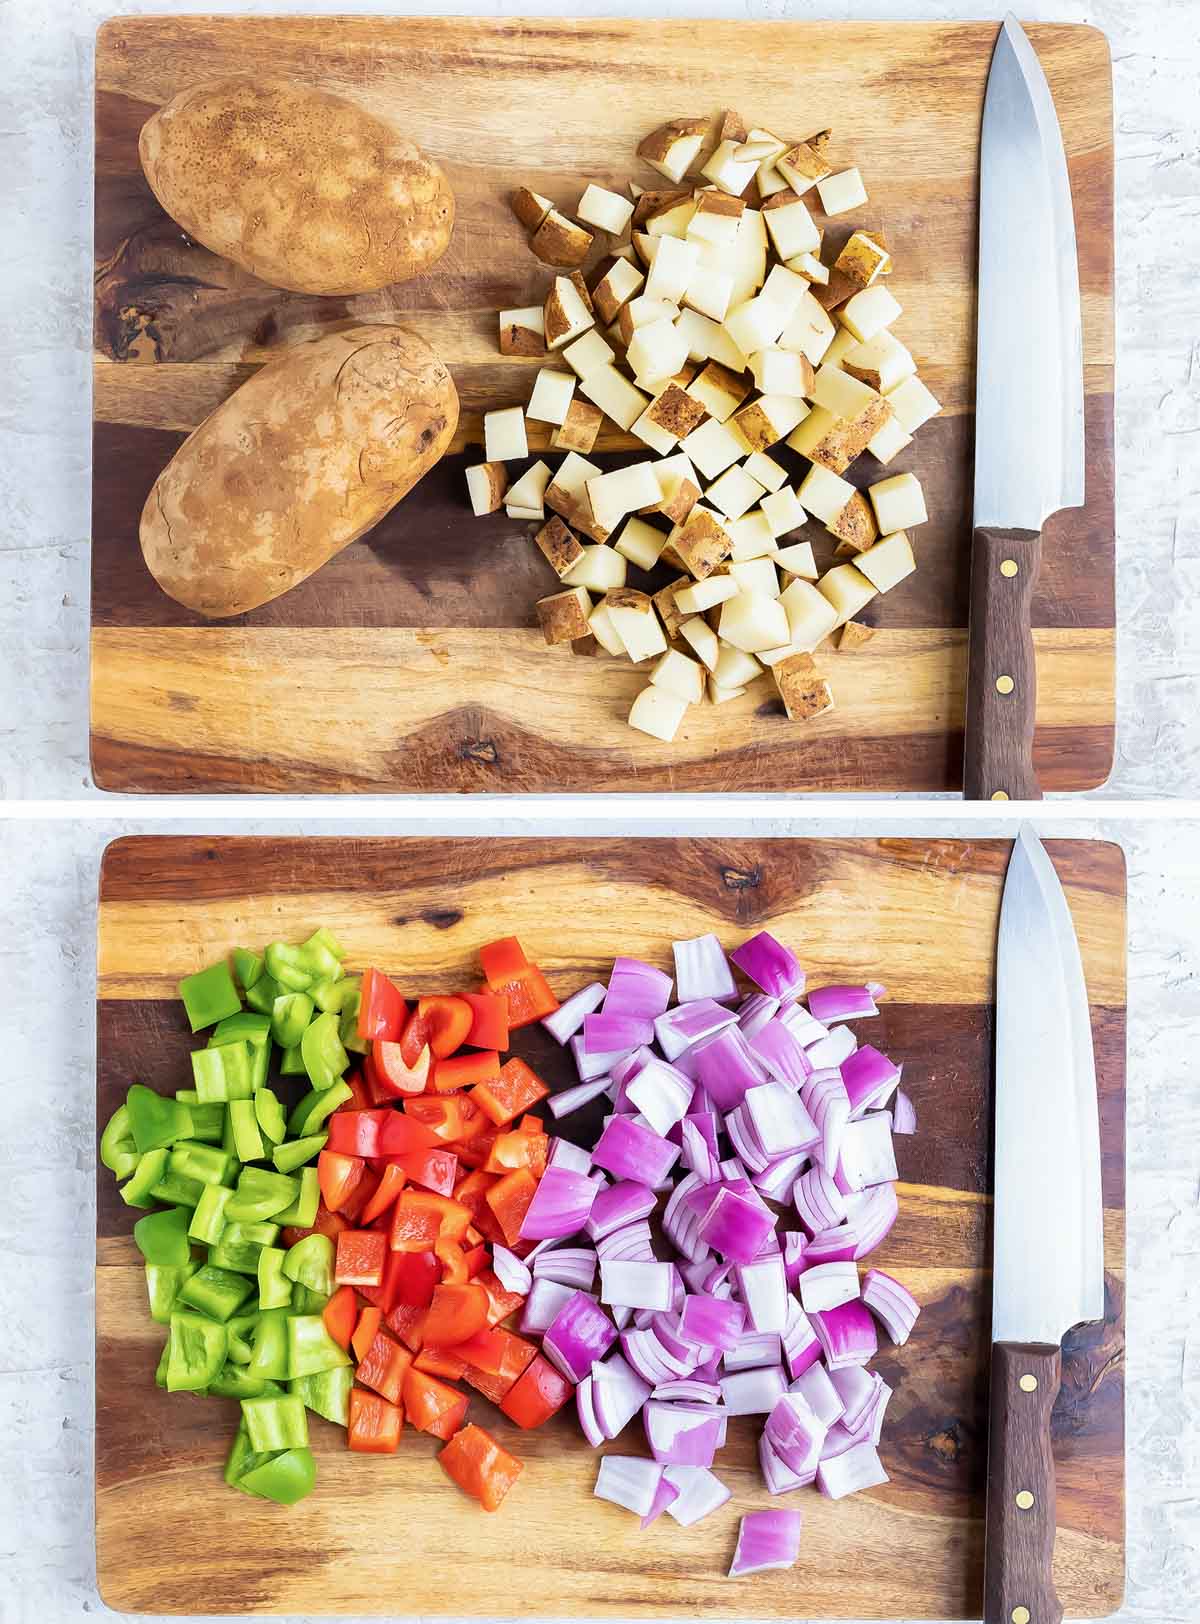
x: 391, y: 1535
x: 413, y: 662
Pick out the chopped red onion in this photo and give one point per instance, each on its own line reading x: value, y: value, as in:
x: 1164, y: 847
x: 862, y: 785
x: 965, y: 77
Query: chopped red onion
x: 661, y: 1094
x: 702, y: 970
x: 508, y: 1268
x: 826, y: 1101
x: 753, y: 1350
x: 568, y: 1018
x: 635, y: 1285
x: 771, y: 966
x: 837, y: 1245
x: 590, y: 1066
x: 741, y: 1137
x: 858, y: 1468
x: 778, y: 1178
x: 754, y: 1013
x: 571, y: 1099
x: 586, y: 1410
x: 546, y: 1299
x: 870, y: 1078
x: 782, y: 1055
x: 841, y: 1003
x: 680, y: 1437
x: 710, y: 1322
x: 875, y: 1218
x: 802, y: 1025
x: 565, y: 1154
x: 697, y: 1152
x: 629, y: 1481
x: 664, y: 1495
x: 904, y: 1113
x: 627, y: 1068
x: 818, y: 1201
x: 628, y: 1151
x: 766, y: 1539
x: 635, y: 988
x: 618, y: 1393
x: 609, y: 1034
x: 560, y: 1206
x: 645, y: 1354
x: 779, y: 1478
x: 892, y: 1304
x: 699, y: 1493
x: 793, y: 1256
x: 828, y: 1285
x: 753, y: 1392
x: 726, y: 1067
x: 630, y: 1244
x: 679, y: 1028
x: 734, y: 1226
x: 801, y: 1347
x: 796, y: 1434
x: 781, y: 1124
x: 867, y: 1156
x: 832, y: 1050
x: 569, y: 1265
x: 580, y: 1333
x: 762, y: 1285
x: 857, y: 1389
x: 622, y: 1203
x: 717, y: 1281
x: 846, y: 1334
x: 820, y: 1394
x: 882, y: 1399
x: 690, y: 1390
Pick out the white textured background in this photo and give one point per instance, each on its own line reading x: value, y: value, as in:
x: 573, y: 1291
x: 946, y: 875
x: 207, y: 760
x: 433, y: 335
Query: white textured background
x: 45, y: 279
x: 48, y: 874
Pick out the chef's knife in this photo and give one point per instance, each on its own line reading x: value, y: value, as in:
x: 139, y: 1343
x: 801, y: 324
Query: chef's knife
x: 1028, y: 407
x: 1048, y: 1260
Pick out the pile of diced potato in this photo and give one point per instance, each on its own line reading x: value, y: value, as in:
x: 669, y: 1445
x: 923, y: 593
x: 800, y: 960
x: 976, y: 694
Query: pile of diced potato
x: 712, y: 330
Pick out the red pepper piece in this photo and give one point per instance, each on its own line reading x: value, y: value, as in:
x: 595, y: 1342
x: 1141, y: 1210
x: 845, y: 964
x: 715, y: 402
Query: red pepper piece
x: 403, y: 1133
x: 501, y: 1301
x: 447, y: 1022
x: 360, y: 1197
x: 369, y: 1322
x: 382, y: 1011
x: 385, y: 1296
x: 384, y: 1367
x: 489, y: 1023
x: 338, y: 1177
x: 416, y: 1275
x: 340, y: 1314
x: 434, y: 1170
x: 518, y: 1149
x: 361, y: 1098
x: 374, y: 1424
x: 420, y: 1219
x: 476, y: 1261
x: 449, y: 1117
x: 497, y: 1352
x: 475, y: 1151
x: 455, y: 1314
x: 361, y: 1256
x: 395, y: 1075
x: 432, y: 1406
x: 461, y: 1070
x: 453, y: 1262
x: 409, y: 1325
x: 325, y: 1223
x: 503, y: 959
x: 515, y: 1090
x: 392, y: 1180
x: 356, y: 1133
x: 471, y: 1191
x: 536, y: 1395
x: 475, y: 1461
x: 509, y: 1200
x: 440, y: 1362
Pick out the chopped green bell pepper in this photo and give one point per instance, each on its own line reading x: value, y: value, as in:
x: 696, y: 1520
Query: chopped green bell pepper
x: 274, y: 1287
x: 321, y: 1050
x: 177, y: 1190
x: 243, y: 1126
x: 150, y: 1168
x: 208, y: 1121
x: 160, y: 1370
x: 207, y: 1164
x: 290, y: 1016
x: 318, y: 1105
x: 118, y: 1151
x: 275, y: 1422
x: 269, y: 1115
x: 348, y: 1025
x: 327, y: 942
x: 223, y: 1073
x: 216, y: 1292
x: 247, y: 1024
x: 163, y: 1282
x: 307, y: 1301
x: 310, y: 1262
x: 326, y: 1393
x: 240, y: 1245
x: 311, y: 1349
x: 242, y: 1328
x: 333, y: 996
x: 299, y: 967
x: 247, y: 967
x: 209, y: 996
x: 262, y: 995
x: 260, y: 1194
x: 285, y: 1478
x: 269, y: 1357
x: 241, y: 1458
x: 234, y: 1381
x: 291, y: 1062
x: 162, y: 1238
x: 195, y: 1352
x: 288, y: 1157
x: 155, y: 1122
x: 303, y: 1213
x: 210, y: 1217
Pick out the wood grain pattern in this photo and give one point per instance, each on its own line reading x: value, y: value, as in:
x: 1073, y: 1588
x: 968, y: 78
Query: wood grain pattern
x: 555, y: 103
x: 373, y: 1536
x: 1001, y: 714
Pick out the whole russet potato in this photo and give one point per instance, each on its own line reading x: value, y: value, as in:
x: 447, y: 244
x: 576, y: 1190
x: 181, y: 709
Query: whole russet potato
x: 307, y: 455
x: 302, y: 188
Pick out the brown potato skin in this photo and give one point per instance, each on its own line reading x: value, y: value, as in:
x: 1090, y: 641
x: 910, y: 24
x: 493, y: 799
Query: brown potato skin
x: 302, y: 188
x: 299, y: 462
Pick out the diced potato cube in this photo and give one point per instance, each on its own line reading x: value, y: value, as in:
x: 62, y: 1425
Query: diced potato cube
x: 846, y: 589
x: 643, y: 311
x: 853, y: 635
x: 701, y: 542
x: 782, y: 372
x: 615, y: 288
x: 735, y: 492
x: 767, y: 420
x: 793, y: 230
x: 587, y: 354
x: 622, y: 491
x: 679, y: 485
x: 882, y: 362
x: 823, y: 493
x: 569, y: 484
x: 657, y: 350
x: 615, y: 395
x: 699, y: 635
x: 551, y: 397
x: 835, y: 442
x: 766, y: 470
x: 888, y: 562
x: 899, y: 503
x: 805, y: 693
x: 680, y: 676
x: 811, y: 617
x: 888, y: 440
x: 869, y: 312
x: 674, y: 147
x: 607, y: 211
x: 840, y: 345
x: 752, y: 536
x: 530, y: 208
x: 809, y: 267
x: 854, y: 526
x: 729, y: 171
x: 524, y: 512
x: 601, y: 569
x: 753, y: 621
x: 841, y: 394
x: 913, y: 404
x: 486, y: 485
x: 558, y: 546
x: 802, y: 166
x: 810, y: 331
x: 566, y: 314
x: 602, y: 629
x: 674, y: 263
x: 863, y: 260
x: 530, y: 490
x: 701, y: 596
x: 709, y: 292
x: 842, y: 192
x: 721, y: 696
x: 504, y: 437
x: 756, y: 575
x: 559, y: 241
x: 674, y: 413
x: 708, y: 341
x: 641, y: 543
x: 671, y: 219
x: 712, y: 448
x: 784, y: 288
x: 734, y: 667
x: 755, y: 324
x: 658, y: 713
x: 636, y: 624
x: 564, y: 616
x: 523, y: 332
x: 716, y: 219
x: 783, y: 511
x: 579, y: 428
x: 720, y: 390
x: 669, y: 612
x: 798, y: 560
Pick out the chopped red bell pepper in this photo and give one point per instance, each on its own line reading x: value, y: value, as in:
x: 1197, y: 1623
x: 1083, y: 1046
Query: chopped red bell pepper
x: 409, y: 1325
x: 384, y: 1367
x: 471, y: 1190
x: 403, y: 1133
x: 447, y: 1023
x: 489, y: 1023
x: 392, y: 1180
x: 450, y: 1117
x: 361, y: 1098
x: 325, y: 1223
x: 375, y: 1424
x: 396, y: 1076
x: 360, y: 1197
x: 501, y: 1301
x: 440, y: 1362
x: 476, y: 1260
x: 515, y: 1090
x: 509, y: 1200
x: 416, y: 1275
x: 420, y: 1219
x: 382, y: 1011
x: 537, y: 1394
x: 364, y: 1332
x: 356, y: 1133
x: 434, y: 1170
x: 340, y: 1314
x: 497, y: 1352
x: 361, y: 1256
x: 475, y: 1151
x: 338, y: 1177
x: 453, y: 1262
x: 475, y: 1461
x: 455, y: 1314
x: 521, y: 984
x: 384, y: 1297
x: 432, y: 1406
x: 518, y: 1149
x: 502, y: 960
x: 461, y: 1070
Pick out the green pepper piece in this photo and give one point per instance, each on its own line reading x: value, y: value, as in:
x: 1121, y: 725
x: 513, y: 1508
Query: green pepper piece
x: 333, y: 996
x: 160, y: 1370
x: 223, y: 1073
x: 246, y: 1024
x: 260, y: 1194
x: 247, y: 967
x: 307, y: 1301
x: 243, y: 1125
x: 162, y: 1237
x: 234, y: 1381
x: 155, y: 1122
x: 210, y: 1217
x: 241, y: 1458
x: 208, y: 1121
x: 321, y: 1050
x: 207, y: 1164
x: 323, y: 940
x: 177, y: 1190
x: 348, y: 1024
x: 291, y: 1062
x: 303, y: 1213
x: 311, y: 1349
x: 310, y: 1262
x: 241, y: 1328
x: 270, y: 1349
x: 274, y: 1288
x: 209, y: 996
x: 118, y: 1151
x: 326, y: 1393
x: 269, y: 1115
x: 288, y: 1157
x: 240, y: 1245
x: 195, y: 1352
x: 293, y: 967
x: 290, y: 1016
x: 312, y: 1112
x: 150, y: 1168
x: 275, y: 1422
x: 162, y: 1287
x: 262, y: 995
x: 285, y: 1478
x: 216, y: 1292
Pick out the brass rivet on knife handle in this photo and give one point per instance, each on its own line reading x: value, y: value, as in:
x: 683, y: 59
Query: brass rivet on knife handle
x: 1001, y: 672
x: 1019, y: 1548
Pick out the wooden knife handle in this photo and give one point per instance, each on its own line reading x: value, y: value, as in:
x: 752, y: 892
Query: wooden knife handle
x: 1001, y: 673
x: 1018, y: 1581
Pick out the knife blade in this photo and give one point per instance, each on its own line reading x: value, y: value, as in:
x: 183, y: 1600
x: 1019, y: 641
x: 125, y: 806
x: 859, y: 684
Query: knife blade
x: 1048, y: 1247
x: 1029, y: 442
